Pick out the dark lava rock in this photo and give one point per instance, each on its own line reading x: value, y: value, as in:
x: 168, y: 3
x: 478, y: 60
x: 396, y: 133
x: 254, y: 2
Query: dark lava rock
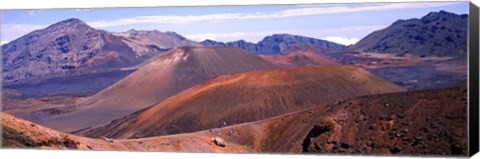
x: 436, y: 34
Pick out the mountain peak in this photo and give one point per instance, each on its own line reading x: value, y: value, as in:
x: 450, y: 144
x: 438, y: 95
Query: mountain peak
x: 77, y: 23
x: 438, y: 33
x: 442, y: 12
x: 208, y: 40
x: 279, y: 36
x: 432, y: 16
x: 131, y: 30
x: 443, y: 15
x: 71, y: 21
x: 283, y: 34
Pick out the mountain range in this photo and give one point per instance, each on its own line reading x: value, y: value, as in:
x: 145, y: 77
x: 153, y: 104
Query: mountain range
x: 46, y: 61
x: 435, y: 34
x: 149, y: 43
x: 64, y: 48
x: 274, y: 44
x: 286, y: 93
x: 71, y: 48
x: 160, y: 79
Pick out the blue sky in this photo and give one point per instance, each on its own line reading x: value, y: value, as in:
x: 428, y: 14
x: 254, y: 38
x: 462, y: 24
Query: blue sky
x: 341, y: 23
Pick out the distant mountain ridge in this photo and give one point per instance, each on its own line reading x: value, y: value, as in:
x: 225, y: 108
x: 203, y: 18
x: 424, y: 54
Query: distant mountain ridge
x: 71, y: 48
x: 274, y: 44
x: 63, y: 48
x: 436, y: 34
x: 149, y: 43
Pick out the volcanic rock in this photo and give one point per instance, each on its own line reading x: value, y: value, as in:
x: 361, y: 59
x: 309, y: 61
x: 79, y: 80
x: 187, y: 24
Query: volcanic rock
x: 64, y: 48
x: 300, y: 58
x: 160, y: 79
x: 436, y: 34
x: 247, y: 97
x: 322, y: 129
x: 274, y: 44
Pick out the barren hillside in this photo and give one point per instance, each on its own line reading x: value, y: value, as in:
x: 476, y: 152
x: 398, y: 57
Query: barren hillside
x: 247, y: 97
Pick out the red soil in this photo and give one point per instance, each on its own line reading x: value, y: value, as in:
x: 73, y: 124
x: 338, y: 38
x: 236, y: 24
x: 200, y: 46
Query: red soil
x: 432, y: 122
x: 247, y: 97
x: 166, y: 76
x: 300, y: 58
x: 102, y: 58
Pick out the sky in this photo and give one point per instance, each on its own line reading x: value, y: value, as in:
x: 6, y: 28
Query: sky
x: 340, y: 23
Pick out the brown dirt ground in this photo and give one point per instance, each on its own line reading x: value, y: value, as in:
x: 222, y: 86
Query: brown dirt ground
x: 432, y: 122
x: 299, y: 58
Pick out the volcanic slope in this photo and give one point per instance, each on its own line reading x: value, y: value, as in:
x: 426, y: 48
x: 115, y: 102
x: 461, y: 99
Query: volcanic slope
x: 308, y: 47
x: 435, y: 34
x: 246, y: 97
x: 19, y: 133
x: 70, y: 47
x: 431, y: 122
x: 168, y: 75
x: 299, y: 58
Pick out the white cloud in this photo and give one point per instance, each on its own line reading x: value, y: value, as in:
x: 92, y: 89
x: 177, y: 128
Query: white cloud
x: 344, y: 9
x: 82, y: 10
x: 3, y: 42
x: 355, y: 28
x: 165, y: 20
x: 13, y: 31
x: 31, y: 13
x: 171, y: 19
x: 341, y: 40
